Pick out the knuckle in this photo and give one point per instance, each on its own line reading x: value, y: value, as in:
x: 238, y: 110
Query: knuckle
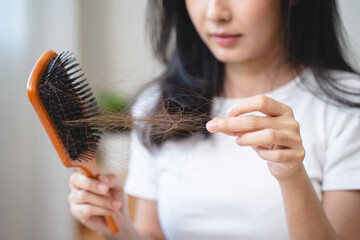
x: 235, y: 108
x: 261, y: 101
x: 90, y: 184
x: 302, y: 154
x: 81, y: 195
x: 252, y: 122
x: 278, y: 157
x: 70, y: 197
x: 86, y: 211
x: 289, y: 110
x: 294, y: 125
x: 222, y: 123
x: 72, y: 179
x: 87, y: 183
x: 271, y: 135
x: 79, y: 212
x: 74, y: 211
x: 298, y: 140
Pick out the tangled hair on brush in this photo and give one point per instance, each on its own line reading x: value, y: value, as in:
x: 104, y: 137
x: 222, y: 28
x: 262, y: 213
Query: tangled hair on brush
x: 163, y: 123
x: 312, y: 36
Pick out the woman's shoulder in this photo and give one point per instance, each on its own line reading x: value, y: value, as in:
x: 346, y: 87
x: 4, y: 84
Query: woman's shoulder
x: 336, y: 87
x: 338, y: 78
x: 340, y: 111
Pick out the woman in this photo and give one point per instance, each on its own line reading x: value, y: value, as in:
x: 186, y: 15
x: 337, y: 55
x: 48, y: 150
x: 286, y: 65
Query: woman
x: 279, y: 158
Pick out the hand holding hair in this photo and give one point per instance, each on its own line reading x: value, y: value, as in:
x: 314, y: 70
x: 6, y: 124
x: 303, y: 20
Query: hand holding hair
x: 275, y: 137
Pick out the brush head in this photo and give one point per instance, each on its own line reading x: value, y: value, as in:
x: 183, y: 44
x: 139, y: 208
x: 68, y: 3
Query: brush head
x: 69, y: 101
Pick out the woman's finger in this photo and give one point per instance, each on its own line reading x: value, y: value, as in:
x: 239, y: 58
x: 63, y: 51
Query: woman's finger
x: 84, y: 211
x: 260, y: 103
x: 281, y: 156
x: 85, y: 197
x: 270, y: 137
x: 115, y: 184
x: 80, y: 181
x: 242, y: 124
x: 114, y: 181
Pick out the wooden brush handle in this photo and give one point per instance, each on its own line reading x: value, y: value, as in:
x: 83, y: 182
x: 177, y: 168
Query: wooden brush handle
x: 109, y: 219
x: 111, y: 222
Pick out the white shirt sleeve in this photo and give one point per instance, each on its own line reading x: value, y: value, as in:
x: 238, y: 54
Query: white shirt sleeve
x: 142, y: 178
x: 342, y: 163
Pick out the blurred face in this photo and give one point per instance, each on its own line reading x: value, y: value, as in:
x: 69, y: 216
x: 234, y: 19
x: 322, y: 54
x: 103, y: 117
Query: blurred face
x: 237, y: 30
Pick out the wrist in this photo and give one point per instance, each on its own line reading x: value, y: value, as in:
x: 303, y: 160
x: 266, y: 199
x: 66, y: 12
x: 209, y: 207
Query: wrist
x: 299, y: 177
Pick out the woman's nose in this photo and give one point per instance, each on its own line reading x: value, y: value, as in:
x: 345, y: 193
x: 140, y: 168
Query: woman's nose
x: 218, y: 11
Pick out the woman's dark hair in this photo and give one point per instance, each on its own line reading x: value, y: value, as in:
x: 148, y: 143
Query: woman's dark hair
x: 193, y: 76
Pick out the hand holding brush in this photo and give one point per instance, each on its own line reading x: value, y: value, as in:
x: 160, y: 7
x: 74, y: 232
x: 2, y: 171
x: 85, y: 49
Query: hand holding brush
x: 63, y: 101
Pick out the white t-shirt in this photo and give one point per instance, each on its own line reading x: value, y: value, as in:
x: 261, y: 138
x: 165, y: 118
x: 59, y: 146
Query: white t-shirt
x: 214, y: 189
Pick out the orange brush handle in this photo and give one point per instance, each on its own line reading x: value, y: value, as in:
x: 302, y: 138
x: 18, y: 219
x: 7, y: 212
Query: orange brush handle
x: 109, y: 219
x: 89, y: 168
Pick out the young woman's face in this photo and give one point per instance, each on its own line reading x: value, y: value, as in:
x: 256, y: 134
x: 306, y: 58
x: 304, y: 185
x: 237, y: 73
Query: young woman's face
x: 237, y: 30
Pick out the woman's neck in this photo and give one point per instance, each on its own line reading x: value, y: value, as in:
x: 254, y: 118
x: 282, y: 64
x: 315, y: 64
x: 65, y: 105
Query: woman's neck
x: 256, y: 77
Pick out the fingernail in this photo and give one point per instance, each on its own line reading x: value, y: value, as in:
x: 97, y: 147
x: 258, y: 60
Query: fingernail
x: 102, y: 188
x: 212, y: 125
x: 229, y: 111
x: 238, y: 141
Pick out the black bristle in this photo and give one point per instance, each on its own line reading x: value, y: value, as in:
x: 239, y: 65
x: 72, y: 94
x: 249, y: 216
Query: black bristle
x: 67, y: 98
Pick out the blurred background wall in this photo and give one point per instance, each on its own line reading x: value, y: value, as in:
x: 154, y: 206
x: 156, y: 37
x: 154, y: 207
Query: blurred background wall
x: 33, y: 184
x: 108, y: 39
x: 349, y: 11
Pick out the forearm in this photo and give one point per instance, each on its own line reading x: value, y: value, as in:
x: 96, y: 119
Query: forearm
x: 305, y: 216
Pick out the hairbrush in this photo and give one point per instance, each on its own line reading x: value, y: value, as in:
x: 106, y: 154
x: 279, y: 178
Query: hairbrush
x: 60, y: 95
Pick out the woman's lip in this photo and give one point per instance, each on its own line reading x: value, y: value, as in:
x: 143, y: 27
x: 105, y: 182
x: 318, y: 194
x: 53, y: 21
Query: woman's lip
x: 224, y: 39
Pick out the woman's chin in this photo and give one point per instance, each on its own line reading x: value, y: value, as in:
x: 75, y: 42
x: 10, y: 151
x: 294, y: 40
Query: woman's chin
x: 230, y: 60
x: 229, y: 56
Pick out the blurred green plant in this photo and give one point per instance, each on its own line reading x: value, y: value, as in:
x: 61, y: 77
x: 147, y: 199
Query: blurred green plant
x: 113, y: 103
